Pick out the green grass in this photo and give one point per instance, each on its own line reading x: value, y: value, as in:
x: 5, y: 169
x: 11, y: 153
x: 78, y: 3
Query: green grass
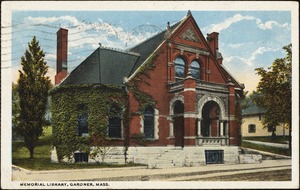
x: 275, y: 150
x: 42, y: 161
x: 277, y: 139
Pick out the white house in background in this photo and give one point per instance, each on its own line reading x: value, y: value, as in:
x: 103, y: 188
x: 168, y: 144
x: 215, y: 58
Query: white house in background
x: 252, y: 125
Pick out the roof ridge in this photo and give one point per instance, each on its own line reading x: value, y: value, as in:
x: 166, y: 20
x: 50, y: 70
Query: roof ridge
x: 159, y: 33
x: 119, y: 50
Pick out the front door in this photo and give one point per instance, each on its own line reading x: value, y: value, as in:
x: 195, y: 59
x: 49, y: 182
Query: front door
x: 179, y: 131
x: 178, y: 123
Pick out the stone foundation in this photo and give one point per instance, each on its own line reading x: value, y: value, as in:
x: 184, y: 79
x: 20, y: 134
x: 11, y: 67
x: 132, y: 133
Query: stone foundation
x: 161, y: 157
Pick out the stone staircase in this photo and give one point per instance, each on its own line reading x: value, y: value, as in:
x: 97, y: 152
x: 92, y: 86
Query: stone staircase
x: 168, y: 159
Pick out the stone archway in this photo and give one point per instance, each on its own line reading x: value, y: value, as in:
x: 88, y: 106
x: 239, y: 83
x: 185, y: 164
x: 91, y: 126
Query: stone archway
x: 212, y: 117
x: 207, y: 98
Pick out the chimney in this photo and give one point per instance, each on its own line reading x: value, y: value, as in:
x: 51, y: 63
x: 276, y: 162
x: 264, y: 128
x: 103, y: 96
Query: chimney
x: 61, y: 55
x: 213, y: 42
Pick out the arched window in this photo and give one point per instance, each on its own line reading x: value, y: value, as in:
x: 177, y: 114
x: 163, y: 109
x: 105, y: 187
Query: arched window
x: 114, y: 122
x: 195, y: 70
x: 179, y: 68
x: 149, y: 122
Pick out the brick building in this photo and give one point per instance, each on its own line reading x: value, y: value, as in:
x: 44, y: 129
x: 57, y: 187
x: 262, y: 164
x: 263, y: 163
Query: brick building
x: 176, y: 90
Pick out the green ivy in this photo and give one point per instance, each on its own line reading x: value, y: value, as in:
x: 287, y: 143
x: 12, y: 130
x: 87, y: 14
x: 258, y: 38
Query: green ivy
x: 143, y: 98
x: 66, y: 101
x: 98, y: 99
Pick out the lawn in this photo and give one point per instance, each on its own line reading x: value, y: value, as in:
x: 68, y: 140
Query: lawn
x: 275, y: 150
x: 276, y: 139
x: 42, y: 161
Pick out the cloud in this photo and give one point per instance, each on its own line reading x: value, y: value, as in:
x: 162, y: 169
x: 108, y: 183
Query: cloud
x: 228, y: 22
x: 268, y: 25
x: 43, y: 20
x: 250, y: 61
x: 82, y: 33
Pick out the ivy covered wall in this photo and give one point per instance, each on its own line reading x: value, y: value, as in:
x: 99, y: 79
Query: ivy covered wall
x: 67, y: 103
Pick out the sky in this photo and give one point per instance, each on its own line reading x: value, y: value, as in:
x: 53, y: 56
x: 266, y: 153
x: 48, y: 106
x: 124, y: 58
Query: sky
x: 247, y: 39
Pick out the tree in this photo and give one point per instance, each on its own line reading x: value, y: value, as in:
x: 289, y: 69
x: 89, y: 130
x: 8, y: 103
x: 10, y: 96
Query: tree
x: 274, y: 91
x: 33, y: 87
x: 15, y: 109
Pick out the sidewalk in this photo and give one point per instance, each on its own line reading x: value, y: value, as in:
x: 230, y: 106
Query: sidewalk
x: 142, y: 173
x: 278, y: 145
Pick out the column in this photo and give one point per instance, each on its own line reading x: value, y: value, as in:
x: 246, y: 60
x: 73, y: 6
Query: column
x: 171, y: 128
x: 199, y: 135
x: 221, y: 128
x: 226, y: 132
x: 199, y: 127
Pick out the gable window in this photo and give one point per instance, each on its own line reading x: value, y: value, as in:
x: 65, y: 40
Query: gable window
x: 251, y: 128
x: 149, y: 122
x: 115, y: 123
x: 82, y: 126
x: 179, y: 68
x: 195, y: 70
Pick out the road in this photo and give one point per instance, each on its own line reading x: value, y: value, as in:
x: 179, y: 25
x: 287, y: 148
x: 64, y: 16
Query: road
x: 144, y: 174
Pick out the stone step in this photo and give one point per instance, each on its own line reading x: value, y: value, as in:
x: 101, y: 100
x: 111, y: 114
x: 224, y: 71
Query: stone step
x: 163, y: 161
x: 169, y: 165
x: 114, y: 160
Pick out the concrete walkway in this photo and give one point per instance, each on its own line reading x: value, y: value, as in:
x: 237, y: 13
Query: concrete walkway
x: 142, y: 173
x: 278, y: 145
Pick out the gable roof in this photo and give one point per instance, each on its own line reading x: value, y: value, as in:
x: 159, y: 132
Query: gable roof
x: 147, y: 47
x: 104, y: 63
x: 253, y: 110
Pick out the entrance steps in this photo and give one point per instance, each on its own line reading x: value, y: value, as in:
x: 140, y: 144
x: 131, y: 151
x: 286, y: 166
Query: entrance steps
x: 168, y: 159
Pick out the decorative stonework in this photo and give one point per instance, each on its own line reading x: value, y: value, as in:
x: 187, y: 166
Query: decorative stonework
x: 185, y: 48
x: 218, y: 100
x: 190, y: 35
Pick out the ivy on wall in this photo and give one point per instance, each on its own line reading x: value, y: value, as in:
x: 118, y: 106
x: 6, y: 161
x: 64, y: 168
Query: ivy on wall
x: 66, y: 103
x: 97, y: 100
x: 143, y: 98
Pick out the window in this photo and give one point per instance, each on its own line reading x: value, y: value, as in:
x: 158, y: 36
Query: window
x: 195, y: 70
x: 251, y: 128
x: 149, y: 122
x: 81, y: 157
x: 83, y: 124
x: 179, y: 68
x: 114, y: 122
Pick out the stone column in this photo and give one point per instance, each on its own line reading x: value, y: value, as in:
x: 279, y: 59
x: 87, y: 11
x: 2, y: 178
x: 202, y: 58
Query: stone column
x: 171, y: 128
x: 199, y: 127
x: 226, y: 132
x: 199, y: 135
x: 221, y: 128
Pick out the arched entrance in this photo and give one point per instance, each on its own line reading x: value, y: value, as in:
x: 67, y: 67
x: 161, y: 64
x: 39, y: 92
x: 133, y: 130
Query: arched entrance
x: 178, y: 123
x: 210, y: 119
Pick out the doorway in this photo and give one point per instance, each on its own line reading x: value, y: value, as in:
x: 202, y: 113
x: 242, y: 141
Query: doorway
x: 178, y: 123
x: 210, y: 119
